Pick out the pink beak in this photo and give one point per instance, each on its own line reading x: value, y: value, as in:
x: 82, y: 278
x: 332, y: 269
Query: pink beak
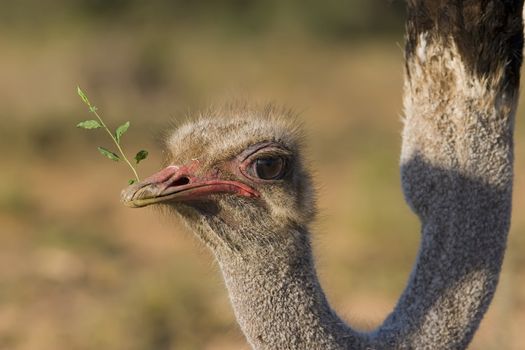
x: 176, y: 183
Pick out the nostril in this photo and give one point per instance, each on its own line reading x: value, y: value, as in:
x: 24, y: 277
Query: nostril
x: 181, y: 181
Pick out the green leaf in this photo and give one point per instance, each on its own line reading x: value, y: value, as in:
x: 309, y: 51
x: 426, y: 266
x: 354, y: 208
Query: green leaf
x: 83, y: 96
x: 141, y: 155
x: 121, y: 130
x: 89, y: 124
x: 108, y: 154
x: 131, y: 181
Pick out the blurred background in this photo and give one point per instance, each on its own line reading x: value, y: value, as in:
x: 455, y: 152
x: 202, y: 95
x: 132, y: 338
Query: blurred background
x: 80, y: 271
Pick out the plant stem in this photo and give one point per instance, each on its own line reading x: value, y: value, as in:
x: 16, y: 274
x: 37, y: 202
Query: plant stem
x: 93, y: 110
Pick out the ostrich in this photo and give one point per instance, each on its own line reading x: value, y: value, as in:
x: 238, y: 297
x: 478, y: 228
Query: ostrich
x: 237, y: 178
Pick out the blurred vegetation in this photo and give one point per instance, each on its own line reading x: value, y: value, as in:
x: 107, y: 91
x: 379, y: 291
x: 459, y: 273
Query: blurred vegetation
x: 331, y: 19
x: 80, y: 271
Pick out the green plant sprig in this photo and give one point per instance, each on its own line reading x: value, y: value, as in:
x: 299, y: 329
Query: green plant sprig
x: 94, y: 124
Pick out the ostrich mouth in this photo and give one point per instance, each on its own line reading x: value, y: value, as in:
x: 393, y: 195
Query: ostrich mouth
x: 176, y: 184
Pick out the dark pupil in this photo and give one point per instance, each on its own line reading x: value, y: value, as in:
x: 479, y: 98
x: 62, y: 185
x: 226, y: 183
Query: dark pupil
x: 269, y: 168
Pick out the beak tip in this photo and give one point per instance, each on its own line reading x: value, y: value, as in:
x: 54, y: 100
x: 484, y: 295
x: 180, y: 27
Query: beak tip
x: 127, y: 194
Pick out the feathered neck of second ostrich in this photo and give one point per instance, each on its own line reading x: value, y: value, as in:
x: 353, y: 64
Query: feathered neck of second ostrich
x: 461, y: 87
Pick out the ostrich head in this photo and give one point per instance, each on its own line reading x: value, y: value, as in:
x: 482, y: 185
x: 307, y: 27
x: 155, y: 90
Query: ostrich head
x: 236, y: 178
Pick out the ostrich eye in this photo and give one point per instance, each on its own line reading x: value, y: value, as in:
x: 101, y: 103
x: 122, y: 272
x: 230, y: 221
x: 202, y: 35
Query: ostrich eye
x: 271, y: 168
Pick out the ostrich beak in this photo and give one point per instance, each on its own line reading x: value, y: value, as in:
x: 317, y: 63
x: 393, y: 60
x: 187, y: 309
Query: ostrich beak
x: 176, y: 183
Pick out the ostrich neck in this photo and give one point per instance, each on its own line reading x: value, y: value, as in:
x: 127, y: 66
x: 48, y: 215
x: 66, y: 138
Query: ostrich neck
x: 463, y: 63
x: 279, y: 303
